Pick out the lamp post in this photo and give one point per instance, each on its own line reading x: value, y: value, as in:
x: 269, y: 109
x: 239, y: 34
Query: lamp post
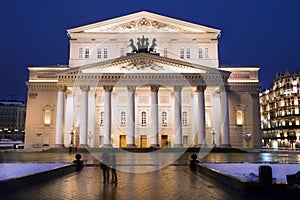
x: 248, y: 138
x: 213, y: 132
x: 71, y: 142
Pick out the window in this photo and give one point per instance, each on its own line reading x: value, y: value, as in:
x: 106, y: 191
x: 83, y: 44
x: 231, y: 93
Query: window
x: 101, y: 137
x: 188, y: 53
x: 123, y: 118
x: 184, y: 118
x: 165, y: 52
x: 121, y: 52
x: 47, y: 117
x: 105, y: 53
x: 99, y: 53
x: 206, y: 52
x: 200, y: 53
x: 182, y: 53
x: 164, y: 119
x: 144, y: 118
x: 101, y: 118
x: 239, y: 117
x: 185, y: 140
x: 80, y: 53
x: 87, y: 52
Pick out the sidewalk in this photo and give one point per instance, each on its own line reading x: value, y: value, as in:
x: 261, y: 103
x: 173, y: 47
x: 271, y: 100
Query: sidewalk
x: 172, y: 182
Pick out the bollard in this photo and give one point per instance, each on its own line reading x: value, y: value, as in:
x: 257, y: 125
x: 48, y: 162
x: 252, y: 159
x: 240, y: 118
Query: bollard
x: 265, y: 174
x: 78, y: 163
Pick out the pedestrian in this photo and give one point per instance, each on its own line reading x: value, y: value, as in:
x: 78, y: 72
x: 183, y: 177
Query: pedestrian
x: 114, y: 168
x: 104, y: 166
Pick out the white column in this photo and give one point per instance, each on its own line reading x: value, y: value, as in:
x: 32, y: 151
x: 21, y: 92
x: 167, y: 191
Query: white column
x: 195, y: 119
x: 201, y: 115
x: 225, y: 136
x: 154, y: 116
x: 60, y: 116
x: 84, y: 115
x: 177, y: 117
x: 130, y: 138
x: 91, y: 117
x: 69, y: 118
x: 216, y: 129
x: 107, y: 116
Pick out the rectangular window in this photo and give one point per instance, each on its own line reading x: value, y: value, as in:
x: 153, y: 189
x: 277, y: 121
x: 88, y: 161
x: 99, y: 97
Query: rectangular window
x: 87, y: 52
x: 121, y: 52
x: 188, y: 53
x: 99, y: 53
x: 200, y: 53
x: 164, y: 118
x: 185, y: 140
x: 101, y: 137
x: 206, y: 52
x: 80, y: 53
x: 184, y: 119
x: 182, y: 53
x: 123, y: 118
x: 105, y: 53
x: 144, y: 118
x: 101, y: 118
x: 165, y: 52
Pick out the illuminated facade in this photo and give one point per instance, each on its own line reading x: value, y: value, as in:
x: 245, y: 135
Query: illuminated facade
x: 279, y: 107
x: 143, y: 80
x: 12, y: 120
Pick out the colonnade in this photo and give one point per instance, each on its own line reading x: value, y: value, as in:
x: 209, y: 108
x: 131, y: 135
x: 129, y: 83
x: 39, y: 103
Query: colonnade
x: 130, y: 136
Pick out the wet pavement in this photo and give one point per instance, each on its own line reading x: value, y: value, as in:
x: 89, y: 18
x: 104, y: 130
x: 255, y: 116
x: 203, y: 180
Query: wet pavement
x: 173, y: 181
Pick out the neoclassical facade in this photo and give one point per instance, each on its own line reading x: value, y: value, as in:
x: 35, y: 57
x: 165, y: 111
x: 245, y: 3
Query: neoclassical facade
x: 143, y: 80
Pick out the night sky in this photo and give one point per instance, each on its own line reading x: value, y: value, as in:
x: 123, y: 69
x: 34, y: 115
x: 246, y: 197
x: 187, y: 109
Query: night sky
x: 263, y: 33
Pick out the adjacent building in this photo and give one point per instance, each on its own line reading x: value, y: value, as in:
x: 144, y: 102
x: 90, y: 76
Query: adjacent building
x: 143, y: 80
x: 279, y: 107
x: 12, y: 119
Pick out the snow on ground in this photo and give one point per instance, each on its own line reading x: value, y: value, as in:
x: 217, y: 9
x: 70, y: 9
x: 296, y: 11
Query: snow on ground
x: 13, y: 170
x: 250, y: 171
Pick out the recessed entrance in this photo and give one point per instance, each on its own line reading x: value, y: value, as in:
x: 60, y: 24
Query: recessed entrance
x: 143, y: 141
x: 122, y: 142
x: 164, y: 140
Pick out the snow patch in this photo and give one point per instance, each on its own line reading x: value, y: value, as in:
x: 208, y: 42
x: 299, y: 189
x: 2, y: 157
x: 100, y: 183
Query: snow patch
x: 250, y: 171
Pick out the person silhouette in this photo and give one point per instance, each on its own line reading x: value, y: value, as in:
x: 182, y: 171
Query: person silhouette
x: 104, y: 166
x: 114, y: 167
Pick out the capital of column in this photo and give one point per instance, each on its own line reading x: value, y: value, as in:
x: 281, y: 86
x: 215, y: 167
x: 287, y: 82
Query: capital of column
x: 61, y: 88
x: 177, y: 88
x: 108, y: 88
x: 200, y: 88
x: 85, y: 88
x: 131, y: 88
x: 154, y: 88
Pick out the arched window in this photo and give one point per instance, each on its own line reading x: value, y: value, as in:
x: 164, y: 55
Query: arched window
x: 239, y: 118
x: 184, y: 118
x: 47, y: 117
x: 144, y: 118
x: 164, y: 118
x: 123, y: 118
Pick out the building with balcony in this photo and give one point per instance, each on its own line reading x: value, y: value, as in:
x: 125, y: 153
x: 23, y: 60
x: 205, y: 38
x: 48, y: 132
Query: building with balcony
x: 279, y: 108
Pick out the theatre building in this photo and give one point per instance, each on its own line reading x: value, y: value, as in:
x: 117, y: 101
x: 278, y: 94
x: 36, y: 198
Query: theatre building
x: 143, y: 80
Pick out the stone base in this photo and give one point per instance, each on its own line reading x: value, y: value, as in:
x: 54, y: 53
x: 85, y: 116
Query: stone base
x: 178, y: 145
x: 59, y: 146
x: 107, y: 146
x: 130, y: 146
x: 225, y: 145
x: 154, y: 146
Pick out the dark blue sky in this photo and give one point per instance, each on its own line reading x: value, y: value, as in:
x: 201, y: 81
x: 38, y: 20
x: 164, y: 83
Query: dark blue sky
x: 264, y: 33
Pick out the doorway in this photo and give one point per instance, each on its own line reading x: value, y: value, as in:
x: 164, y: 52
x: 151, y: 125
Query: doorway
x: 122, y: 142
x: 164, y: 141
x: 143, y: 141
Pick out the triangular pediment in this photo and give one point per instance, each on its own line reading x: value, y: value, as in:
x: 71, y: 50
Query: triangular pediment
x: 143, y: 22
x: 143, y: 63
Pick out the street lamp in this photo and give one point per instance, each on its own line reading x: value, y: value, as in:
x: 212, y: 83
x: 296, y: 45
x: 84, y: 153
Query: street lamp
x: 213, y: 132
x: 71, y: 133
